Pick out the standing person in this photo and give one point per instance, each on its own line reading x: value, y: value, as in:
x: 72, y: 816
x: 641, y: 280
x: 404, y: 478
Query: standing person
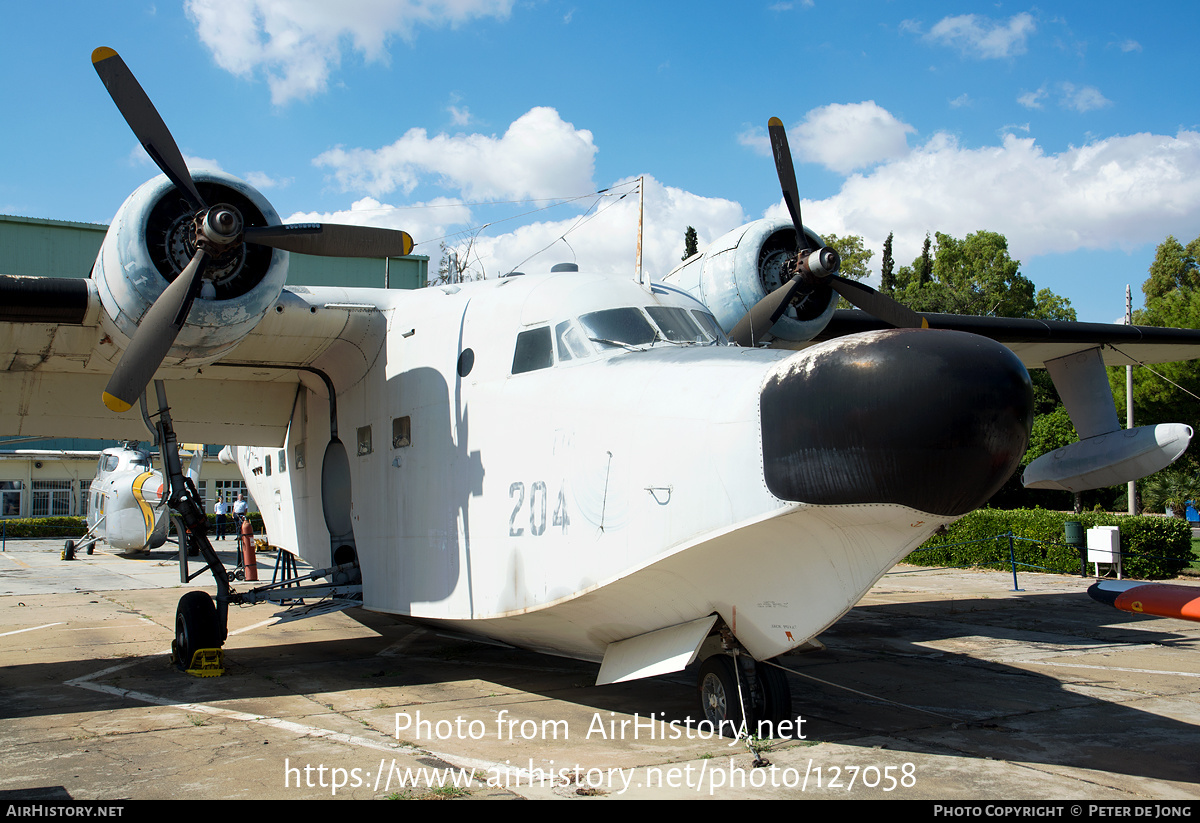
x: 220, y: 510
x: 239, y: 509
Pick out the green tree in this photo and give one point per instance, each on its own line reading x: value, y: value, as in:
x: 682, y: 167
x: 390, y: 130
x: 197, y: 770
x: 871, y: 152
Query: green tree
x: 856, y: 258
x: 924, y: 267
x: 1167, y: 392
x: 887, y: 275
x: 690, y: 243
x: 1174, y: 267
x: 1170, y: 489
x: 1050, y: 306
x: 1051, y: 431
x: 976, y: 275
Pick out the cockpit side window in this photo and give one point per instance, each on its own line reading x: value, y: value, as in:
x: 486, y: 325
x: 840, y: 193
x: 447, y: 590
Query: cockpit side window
x: 677, y: 326
x: 710, y: 325
x: 571, y: 345
x: 616, y: 328
x: 534, y: 351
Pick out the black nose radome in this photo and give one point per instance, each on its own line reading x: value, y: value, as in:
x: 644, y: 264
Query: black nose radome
x: 932, y: 419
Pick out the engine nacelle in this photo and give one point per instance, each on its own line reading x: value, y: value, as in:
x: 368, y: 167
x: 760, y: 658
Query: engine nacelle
x: 742, y: 267
x: 150, y: 242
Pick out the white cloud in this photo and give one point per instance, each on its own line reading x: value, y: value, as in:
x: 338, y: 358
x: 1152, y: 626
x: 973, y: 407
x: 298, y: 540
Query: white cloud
x: 539, y: 155
x: 1123, y: 190
x: 1084, y: 99
x: 424, y: 221
x: 1032, y: 99
x: 606, y: 240
x: 296, y: 43
x: 261, y: 180
x: 980, y: 37
x: 841, y: 136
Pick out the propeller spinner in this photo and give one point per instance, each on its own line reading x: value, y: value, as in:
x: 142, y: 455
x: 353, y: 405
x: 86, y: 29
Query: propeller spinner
x: 218, y: 230
x: 812, y: 269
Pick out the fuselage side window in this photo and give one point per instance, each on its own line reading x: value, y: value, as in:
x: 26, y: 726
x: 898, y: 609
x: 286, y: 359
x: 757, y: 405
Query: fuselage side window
x: 535, y: 351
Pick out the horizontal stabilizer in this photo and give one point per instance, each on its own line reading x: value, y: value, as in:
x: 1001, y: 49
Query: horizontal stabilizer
x: 1109, y: 459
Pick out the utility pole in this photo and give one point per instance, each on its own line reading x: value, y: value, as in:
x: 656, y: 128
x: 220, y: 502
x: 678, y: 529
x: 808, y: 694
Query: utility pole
x: 1129, y: 395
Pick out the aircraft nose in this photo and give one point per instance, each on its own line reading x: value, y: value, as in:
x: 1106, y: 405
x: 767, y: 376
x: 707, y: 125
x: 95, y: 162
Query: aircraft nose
x: 932, y: 419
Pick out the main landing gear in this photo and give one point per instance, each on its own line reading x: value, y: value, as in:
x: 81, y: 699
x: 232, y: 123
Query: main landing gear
x: 198, y: 634
x: 734, y: 688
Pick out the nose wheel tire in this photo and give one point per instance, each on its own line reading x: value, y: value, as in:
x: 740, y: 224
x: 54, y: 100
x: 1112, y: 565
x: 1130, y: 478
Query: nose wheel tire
x: 195, y: 627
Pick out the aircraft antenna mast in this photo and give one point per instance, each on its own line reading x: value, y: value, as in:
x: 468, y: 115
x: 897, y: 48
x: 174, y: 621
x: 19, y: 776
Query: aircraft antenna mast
x: 638, y: 276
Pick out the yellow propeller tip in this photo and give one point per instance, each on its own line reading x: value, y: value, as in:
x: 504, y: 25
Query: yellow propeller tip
x: 103, y: 53
x: 116, y: 404
x: 774, y: 121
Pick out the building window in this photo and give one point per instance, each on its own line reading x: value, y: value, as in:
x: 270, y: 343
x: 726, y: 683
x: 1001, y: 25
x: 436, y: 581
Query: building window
x: 85, y: 487
x: 230, y: 489
x: 51, y: 498
x: 10, y: 497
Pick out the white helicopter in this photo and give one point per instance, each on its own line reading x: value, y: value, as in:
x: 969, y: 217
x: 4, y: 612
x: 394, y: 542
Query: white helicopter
x: 574, y: 463
x: 127, y: 506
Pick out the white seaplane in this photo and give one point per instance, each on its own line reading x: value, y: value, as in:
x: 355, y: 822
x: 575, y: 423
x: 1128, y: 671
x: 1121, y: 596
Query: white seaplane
x: 574, y: 463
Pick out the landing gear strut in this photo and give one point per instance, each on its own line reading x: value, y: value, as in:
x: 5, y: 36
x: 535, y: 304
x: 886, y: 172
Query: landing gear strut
x: 199, y: 623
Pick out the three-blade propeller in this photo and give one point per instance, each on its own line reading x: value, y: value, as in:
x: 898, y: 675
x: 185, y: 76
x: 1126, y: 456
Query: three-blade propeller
x: 813, y: 268
x: 219, y: 229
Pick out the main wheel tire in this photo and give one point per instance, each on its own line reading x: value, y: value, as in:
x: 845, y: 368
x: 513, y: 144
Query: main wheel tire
x: 68, y: 552
x: 777, y: 694
x: 195, y: 627
x: 718, y: 688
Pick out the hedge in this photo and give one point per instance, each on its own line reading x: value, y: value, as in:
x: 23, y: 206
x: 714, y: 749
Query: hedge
x: 1152, y: 548
x: 47, y: 527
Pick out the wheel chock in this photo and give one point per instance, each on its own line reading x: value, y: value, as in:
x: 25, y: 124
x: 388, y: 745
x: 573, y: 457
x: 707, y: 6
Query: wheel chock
x: 207, y: 663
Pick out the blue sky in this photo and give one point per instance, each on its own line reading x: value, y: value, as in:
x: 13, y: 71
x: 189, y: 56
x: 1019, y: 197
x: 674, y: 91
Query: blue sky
x: 1072, y: 128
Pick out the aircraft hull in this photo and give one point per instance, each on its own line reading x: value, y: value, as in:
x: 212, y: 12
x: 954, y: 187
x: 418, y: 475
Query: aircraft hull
x: 816, y: 562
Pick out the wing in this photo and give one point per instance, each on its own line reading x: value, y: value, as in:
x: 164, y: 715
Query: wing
x: 58, y: 346
x: 1038, y: 341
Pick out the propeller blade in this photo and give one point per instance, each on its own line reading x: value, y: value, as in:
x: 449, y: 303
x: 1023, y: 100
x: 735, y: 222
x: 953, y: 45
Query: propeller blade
x: 879, y: 305
x: 154, y: 337
x: 144, y: 119
x: 787, y: 178
x: 332, y: 239
x: 755, y: 324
